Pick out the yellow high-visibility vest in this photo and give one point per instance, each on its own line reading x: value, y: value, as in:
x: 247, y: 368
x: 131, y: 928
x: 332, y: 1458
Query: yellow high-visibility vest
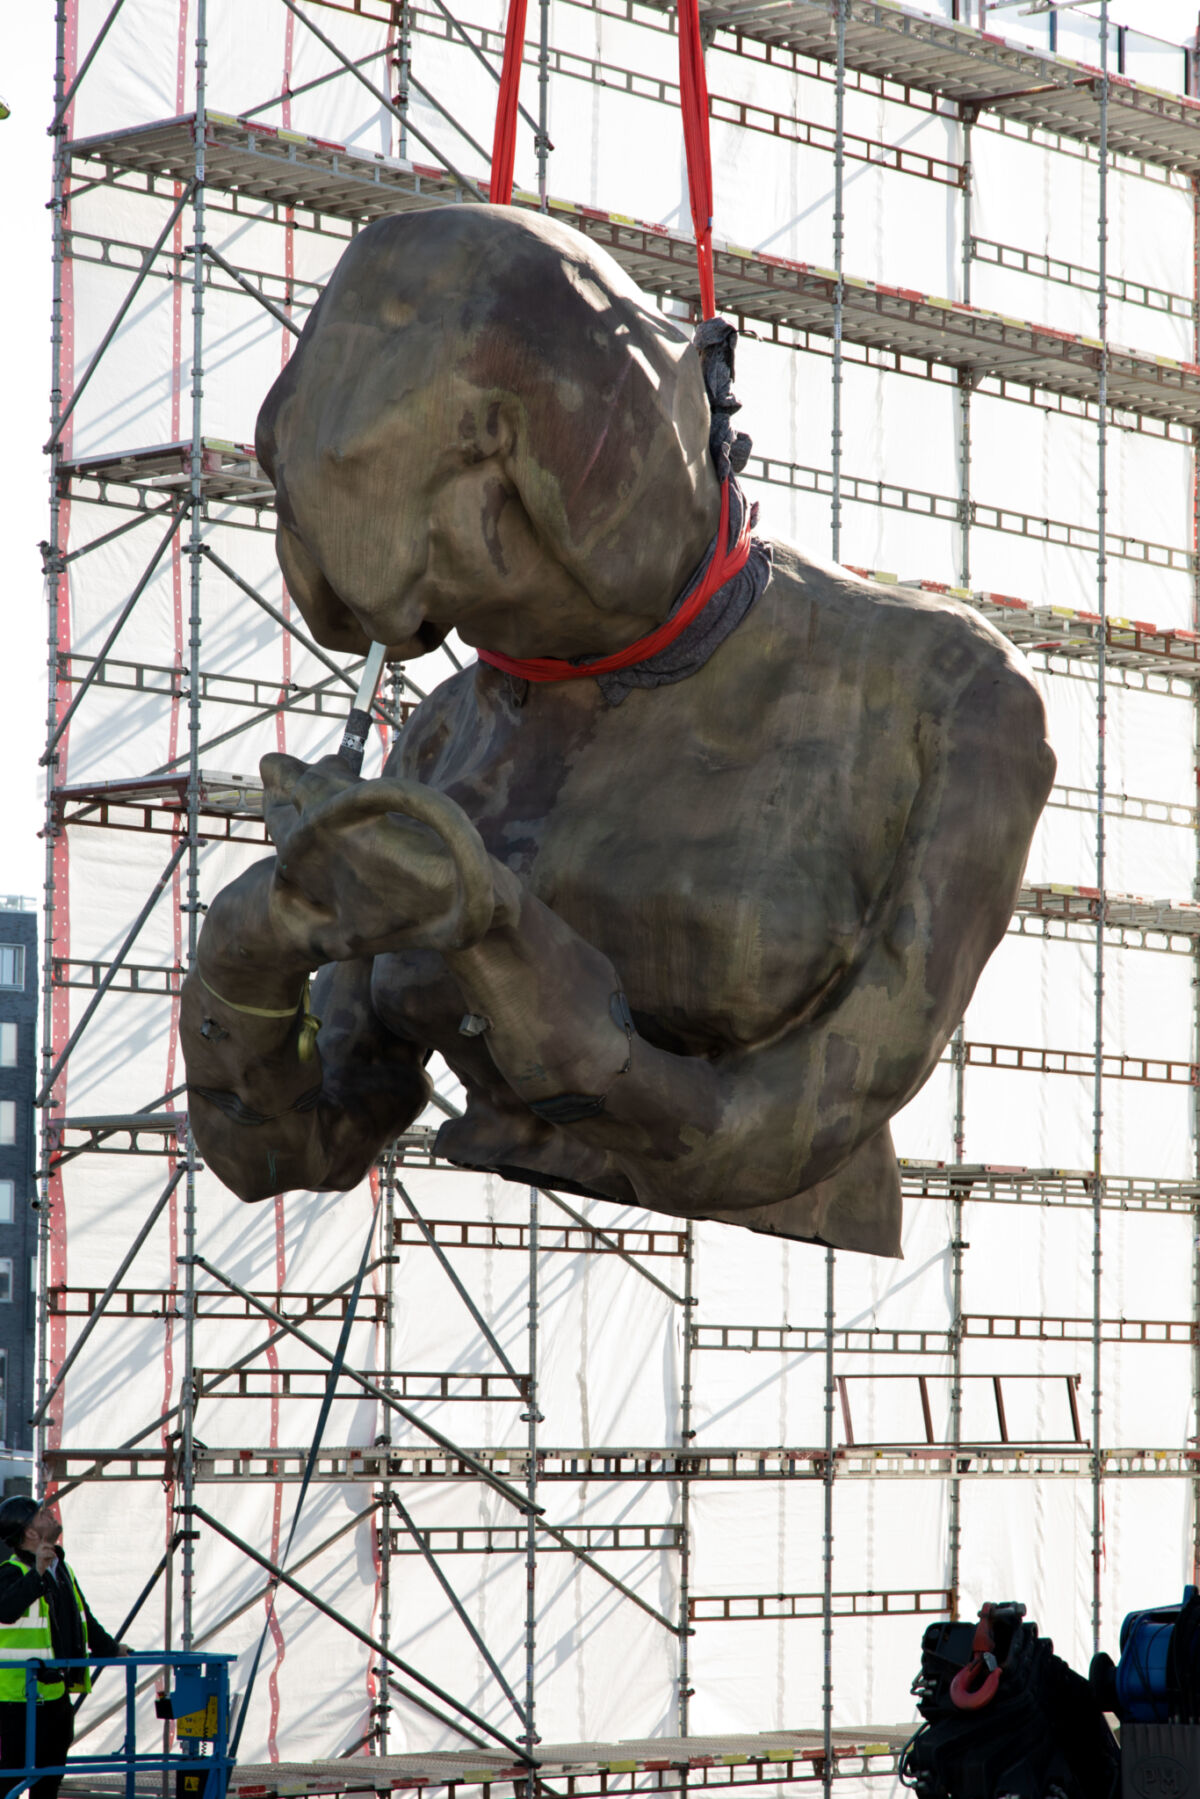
x: 28, y: 1639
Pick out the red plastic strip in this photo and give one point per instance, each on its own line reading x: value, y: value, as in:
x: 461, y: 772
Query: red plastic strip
x: 504, y: 142
x: 724, y: 566
x: 693, y: 94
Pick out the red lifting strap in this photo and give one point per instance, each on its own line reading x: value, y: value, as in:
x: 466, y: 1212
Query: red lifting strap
x: 693, y: 96
x: 504, y: 142
x: 724, y: 565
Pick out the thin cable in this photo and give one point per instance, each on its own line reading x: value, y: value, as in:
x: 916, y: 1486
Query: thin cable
x: 331, y: 1381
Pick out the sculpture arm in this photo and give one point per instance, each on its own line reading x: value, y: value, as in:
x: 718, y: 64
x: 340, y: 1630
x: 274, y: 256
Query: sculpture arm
x: 271, y: 1108
x: 751, y: 1128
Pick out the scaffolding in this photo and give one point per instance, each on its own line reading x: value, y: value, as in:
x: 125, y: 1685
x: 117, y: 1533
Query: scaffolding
x: 193, y: 190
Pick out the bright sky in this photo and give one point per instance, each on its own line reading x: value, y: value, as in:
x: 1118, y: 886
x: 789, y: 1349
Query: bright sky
x: 26, y: 83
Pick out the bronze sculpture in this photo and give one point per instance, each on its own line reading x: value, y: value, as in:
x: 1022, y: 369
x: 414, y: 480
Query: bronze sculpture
x: 689, y: 933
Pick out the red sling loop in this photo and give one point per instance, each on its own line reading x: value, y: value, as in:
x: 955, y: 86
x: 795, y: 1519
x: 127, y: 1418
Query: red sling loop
x: 693, y: 90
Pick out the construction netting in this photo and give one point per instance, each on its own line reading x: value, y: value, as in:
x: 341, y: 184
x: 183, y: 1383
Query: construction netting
x: 612, y: 1360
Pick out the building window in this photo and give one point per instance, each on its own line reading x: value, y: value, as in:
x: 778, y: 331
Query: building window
x: 3, y: 1396
x: 12, y: 965
x: 8, y: 1045
x: 8, y: 1200
x: 8, y: 1120
x: 33, y: 1281
x: 5, y: 1280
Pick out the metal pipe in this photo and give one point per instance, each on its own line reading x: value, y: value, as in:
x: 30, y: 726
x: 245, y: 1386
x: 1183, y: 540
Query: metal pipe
x: 60, y: 109
x: 542, y: 140
x: 187, y: 1390
x: 118, y: 626
x: 115, y: 326
x: 464, y: 181
x: 172, y: 1412
x: 965, y: 378
x: 958, y: 1051
x: 255, y: 293
x: 1194, y: 64
x: 387, y: 1257
x: 451, y: 1273
x: 449, y: 117
x: 827, y: 1561
x: 113, y: 970
x: 45, y: 1190
x: 102, y: 1303
x: 686, y: 1437
x: 479, y: 56
x: 368, y: 1386
x: 1101, y: 903
x: 460, y: 1611
x: 230, y: 1617
x: 306, y: 87
x: 839, y: 292
x: 98, y: 543
x: 531, y: 1418
x: 609, y: 1243
x: 282, y: 1577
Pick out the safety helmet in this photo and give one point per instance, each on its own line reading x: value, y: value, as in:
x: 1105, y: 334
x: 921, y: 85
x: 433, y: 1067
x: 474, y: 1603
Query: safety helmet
x: 15, y: 1514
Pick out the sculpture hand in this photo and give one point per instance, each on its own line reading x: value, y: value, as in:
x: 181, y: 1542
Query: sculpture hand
x: 387, y: 864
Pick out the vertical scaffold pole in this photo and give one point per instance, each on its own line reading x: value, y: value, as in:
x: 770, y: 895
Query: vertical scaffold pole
x: 1193, y: 64
x: 957, y: 1249
x: 839, y: 221
x: 383, y: 1516
x: 1101, y: 724
x: 53, y: 578
x: 686, y: 1436
x: 964, y: 379
x: 401, y: 18
x: 827, y: 1567
x: 195, y: 556
x: 531, y: 1417
x: 544, y: 145
x: 957, y: 1049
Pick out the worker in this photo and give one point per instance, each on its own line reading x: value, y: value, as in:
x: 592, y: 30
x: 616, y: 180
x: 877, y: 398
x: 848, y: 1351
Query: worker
x: 43, y: 1614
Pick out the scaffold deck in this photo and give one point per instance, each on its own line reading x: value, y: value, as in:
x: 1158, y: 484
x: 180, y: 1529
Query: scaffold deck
x: 977, y: 69
x: 644, y: 1764
x: 262, y: 163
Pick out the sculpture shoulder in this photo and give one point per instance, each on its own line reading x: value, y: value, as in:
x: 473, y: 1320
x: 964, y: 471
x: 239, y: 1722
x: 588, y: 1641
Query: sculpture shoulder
x: 937, y: 645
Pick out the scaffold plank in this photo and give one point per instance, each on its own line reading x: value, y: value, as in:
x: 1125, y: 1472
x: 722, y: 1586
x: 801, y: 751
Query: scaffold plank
x: 258, y: 160
x: 411, y: 1384
x: 606, y: 1466
x: 1070, y: 1187
x: 912, y: 51
x: 1035, y: 1059
x: 569, y: 1239
x: 1001, y: 1327
x: 1068, y: 631
x: 596, y: 1770
x: 510, y: 1539
x: 803, y: 1339
x: 977, y: 69
x: 740, y: 1608
x: 160, y: 1302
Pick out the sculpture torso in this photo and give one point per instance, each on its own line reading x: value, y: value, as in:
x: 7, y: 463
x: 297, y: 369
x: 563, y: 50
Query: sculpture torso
x: 724, y: 840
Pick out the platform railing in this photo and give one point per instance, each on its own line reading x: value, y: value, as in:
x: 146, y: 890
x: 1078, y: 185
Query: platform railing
x: 197, y: 1699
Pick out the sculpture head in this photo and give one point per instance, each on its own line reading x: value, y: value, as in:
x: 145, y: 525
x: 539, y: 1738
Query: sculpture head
x: 484, y: 426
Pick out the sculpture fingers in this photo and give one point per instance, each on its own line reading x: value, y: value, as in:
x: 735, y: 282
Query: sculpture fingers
x: 468, y: 915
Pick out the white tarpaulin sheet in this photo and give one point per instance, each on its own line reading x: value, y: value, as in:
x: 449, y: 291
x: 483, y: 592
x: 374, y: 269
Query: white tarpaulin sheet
x: 611, y: 1349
